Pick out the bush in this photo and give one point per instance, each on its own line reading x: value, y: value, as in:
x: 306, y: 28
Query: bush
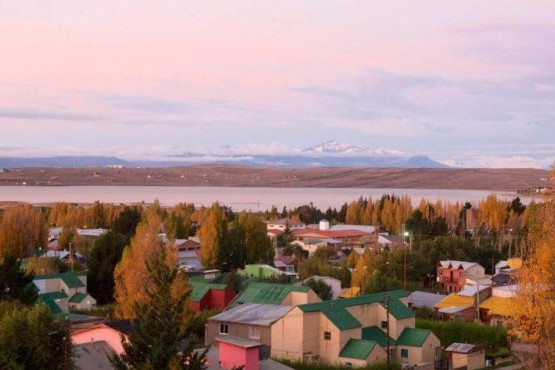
x: 301, y: 365
x: 490, y: 338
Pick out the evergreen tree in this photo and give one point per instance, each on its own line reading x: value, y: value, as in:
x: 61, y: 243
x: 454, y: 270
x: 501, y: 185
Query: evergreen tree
x: 157, y: 329
x: 16, y: 284
x: 127, y: 221
x: 104, y: 256
x: 319, y: 287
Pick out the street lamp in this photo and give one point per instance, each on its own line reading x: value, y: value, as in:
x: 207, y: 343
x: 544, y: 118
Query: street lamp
x: 405, y: 235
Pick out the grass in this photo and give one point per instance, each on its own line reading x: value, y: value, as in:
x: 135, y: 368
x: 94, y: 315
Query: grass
x: 301, y: 365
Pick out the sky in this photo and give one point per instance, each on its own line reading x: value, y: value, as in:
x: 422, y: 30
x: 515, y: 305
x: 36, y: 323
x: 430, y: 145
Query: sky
x: 468, y: 83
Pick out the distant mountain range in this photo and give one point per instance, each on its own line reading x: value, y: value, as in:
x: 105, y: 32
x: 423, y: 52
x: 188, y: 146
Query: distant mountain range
x: 292, y: 161
x: 328, y: 154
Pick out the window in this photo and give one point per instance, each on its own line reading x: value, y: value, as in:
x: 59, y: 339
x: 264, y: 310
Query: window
x: 404, y: 353
x: 348, y: 364
x: 223, y: 329
x: 254, y: 332
x: 327, y: 335
x: 384, y: 324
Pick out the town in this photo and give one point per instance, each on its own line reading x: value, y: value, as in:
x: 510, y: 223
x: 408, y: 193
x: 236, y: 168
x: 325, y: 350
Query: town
x: 379, y: 282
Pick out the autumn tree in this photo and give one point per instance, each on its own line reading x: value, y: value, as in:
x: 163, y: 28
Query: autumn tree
x: 534, y: 309
x: 212, y: 233
x: 178, y: 224
x: 157, y: 330
x: 21, y: 230
x: 130, y: 273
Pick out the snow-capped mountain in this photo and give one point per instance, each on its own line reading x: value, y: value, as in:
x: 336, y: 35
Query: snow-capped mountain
x: 333, y: 147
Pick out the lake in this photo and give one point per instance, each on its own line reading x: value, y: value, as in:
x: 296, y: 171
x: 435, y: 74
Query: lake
x: 254, y: 199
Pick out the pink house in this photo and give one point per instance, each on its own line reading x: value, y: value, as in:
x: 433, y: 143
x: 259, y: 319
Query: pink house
x: 235, y: 351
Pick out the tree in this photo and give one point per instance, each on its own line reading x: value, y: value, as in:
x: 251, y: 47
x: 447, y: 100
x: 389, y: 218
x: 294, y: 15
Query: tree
x: 127, y: 221
x: 130, y: 275
x: 21, y: 230
x: 534, y: 309
x: 158, y: 328
x: 258, y: 246
x: 213, y: 230
x: 15, y: 284
x: 105, y: 255
x: 32, y: 338
x: 319, y: 287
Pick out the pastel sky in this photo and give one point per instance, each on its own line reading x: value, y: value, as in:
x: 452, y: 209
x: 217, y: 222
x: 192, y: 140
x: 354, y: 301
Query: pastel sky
x: 468, y: 83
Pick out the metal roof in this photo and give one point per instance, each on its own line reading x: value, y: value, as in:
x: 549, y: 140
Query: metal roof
x: 461, y: 348
x: 455, y: 300
x: 378, y: 335
x: 358, y: 349
x: 199, y: 289
x: 268, y: 293
x: 239, y: 342
x: 71, y: 279
x: 413, y: 337
x: 500, y: 306
x: 78, y: 297
x: 253, y: 314
x: 424, y: 299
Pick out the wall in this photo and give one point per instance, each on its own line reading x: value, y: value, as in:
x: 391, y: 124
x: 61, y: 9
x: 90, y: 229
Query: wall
x: 328, y: 350
x: 235, y: 329
x: 298, y: 298
x: 288, y: 335
x: 230, y: 356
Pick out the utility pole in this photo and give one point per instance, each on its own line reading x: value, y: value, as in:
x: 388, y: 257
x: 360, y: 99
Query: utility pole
x: 71, y: 256
x: 387, y: 339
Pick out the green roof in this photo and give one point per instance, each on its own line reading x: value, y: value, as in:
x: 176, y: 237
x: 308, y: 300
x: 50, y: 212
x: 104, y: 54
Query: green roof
x: 413, y: 337
x: 78, y: 297
x: 376, y: 334
x: 199, y: 290
x: 50, y: 300
x: 342, y: 319
x: 397, y: 308
x: 268, y: 293
x: 357, y: 349
x: 71, y: 279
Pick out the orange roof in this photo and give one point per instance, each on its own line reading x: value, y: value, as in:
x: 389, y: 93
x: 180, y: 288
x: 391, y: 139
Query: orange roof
x: 500, y: 306
x: 454, y: 300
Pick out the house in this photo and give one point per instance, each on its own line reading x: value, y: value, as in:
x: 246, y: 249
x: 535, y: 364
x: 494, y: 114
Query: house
x: 285, y: 263
x: 452, y: 275
x: 462, y: 305
x: 286, y: 223
x: 263, y: 271
x: 325, y: 331
x: 209, y: 296
x: 466, y: 356
x: 277, y: 294
x: 91, y: 233
x: 250, y: 321
x: 497, y: 309
x: 351, y: 238
x: 64, y: 291
x: 188, y: 254
x: 235, y: 352
x: 333, y: 283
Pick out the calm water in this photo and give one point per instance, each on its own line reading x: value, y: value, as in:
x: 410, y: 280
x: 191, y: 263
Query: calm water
x: 237, y: 198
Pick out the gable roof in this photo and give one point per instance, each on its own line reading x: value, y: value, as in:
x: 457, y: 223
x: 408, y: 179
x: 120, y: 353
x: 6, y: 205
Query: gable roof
x: 413, y: 337
x: 377, y: 335
x: 455, y: 300
x: 50, y: 300
x: 420, y: 299
x: 71, y: 279
x: 199, y: 289
x: 501, y: 306
x: 78, y: 297
x: 358, y: 349
x: 457, y: 264
x: 268, y: 293
x: 253, y: 314
x: 337, y: 313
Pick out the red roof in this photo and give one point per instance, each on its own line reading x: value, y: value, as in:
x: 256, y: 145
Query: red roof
x: 276, y: 231
x: 288, y: 260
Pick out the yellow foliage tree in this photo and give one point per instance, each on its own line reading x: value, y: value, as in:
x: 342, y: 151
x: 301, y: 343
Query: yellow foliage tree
x: 130, y: 274
x: 21, y: 230
x: 534, y: 311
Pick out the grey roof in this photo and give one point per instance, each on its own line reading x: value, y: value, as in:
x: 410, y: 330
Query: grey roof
x: 457, y: 264
x: 239, y: 342
x: 253, y: 314
x: 452, y: 310
x: 363, y: 228
x: 471, y: 290
x: 419, y: 299
x: 461, y: 348
x: 93, y: 355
